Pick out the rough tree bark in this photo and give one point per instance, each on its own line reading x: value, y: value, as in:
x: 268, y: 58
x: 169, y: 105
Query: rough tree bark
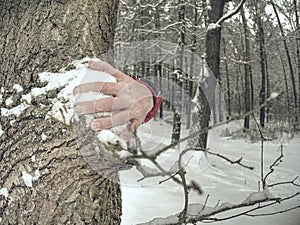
x: 40, y: 36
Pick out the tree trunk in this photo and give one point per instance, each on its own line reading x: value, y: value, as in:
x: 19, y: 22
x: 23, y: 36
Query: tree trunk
x: 298, y: 50
x: 158, y: 65
x: 179, y: 105
x: 262, y: 93
x: 41, y: 36
x: 237, y: 85
x: 247, y: 58
x: 192, y: 63
x: 227, y: 80
x: 268, y: 111
x: 287, y: 95
x: 212, y: 45
x: 289, y: 63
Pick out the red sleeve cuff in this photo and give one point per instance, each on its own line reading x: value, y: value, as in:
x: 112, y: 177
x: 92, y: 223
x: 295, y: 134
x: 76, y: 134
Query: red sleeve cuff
x: 157, y: 100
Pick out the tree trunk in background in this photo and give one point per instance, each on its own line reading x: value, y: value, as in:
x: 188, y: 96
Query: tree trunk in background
x: 227, y: 80
x: 247, y: 58
x: 298, y: 50
x: 212, y: 46
x: 269, y: 117
x: 261, y: 38
x: 205, y: 13
x: 289, y: 63
x: 179, y: 95
x: 237, y: 85
x: 41, y: 36
x: 287, y: 95
x: 142, y: 14
x: 192, y: 63
x: 158, y: 65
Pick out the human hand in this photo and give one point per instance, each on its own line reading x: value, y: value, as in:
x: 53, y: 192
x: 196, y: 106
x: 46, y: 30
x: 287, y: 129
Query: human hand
x: 129, y: 101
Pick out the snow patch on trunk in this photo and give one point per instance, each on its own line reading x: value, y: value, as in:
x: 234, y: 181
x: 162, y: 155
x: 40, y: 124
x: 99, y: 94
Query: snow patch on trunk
x: 28, y: 178
x: 4, y: 192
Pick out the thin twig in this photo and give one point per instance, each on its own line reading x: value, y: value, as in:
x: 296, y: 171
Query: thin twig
x: 205, y: 202
x: 261, y: 152
x: 239, y: 161
x: 273, y: 213
x: 209, y: 219
x: 286, y: 182
x: 182, y: 215
x: 167, y: 179
x: 275, y: 163
x: 206, y: 129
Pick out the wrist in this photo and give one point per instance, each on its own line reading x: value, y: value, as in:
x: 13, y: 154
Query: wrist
x: 157, y: 98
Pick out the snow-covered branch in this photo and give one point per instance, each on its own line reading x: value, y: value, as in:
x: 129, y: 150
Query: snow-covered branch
x: 227, y: 16
x: 199, y: 212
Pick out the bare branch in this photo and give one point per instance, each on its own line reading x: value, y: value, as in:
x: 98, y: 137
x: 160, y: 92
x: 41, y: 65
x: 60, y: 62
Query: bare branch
x: 261, y: 152
x: 273, y: 202
x: 206, y: 129
x: 182, y: 216
x: 286, y: 182
x: 275, y: 163
x: 206, y: 200
x: 205, y: 213
x: 273, y: 213
x: 239, y: 161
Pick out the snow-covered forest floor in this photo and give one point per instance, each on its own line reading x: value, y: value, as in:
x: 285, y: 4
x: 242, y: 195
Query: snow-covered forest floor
x: 219, y: 179
x: 223, y: 182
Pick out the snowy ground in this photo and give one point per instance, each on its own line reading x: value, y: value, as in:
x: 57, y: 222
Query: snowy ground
x: 222, y: 181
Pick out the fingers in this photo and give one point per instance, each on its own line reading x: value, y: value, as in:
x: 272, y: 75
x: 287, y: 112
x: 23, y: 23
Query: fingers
x: 126, y: 94
x: 84, y: 88
x: 108, y: 104
x: 116, y: 119
x: 105, y: 67
x: 126, y: 135
x: 100, y: 105
x: 108, y: 88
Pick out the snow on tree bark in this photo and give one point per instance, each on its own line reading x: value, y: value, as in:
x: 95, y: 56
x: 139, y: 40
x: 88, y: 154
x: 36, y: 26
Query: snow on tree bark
x: 46, y: 36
